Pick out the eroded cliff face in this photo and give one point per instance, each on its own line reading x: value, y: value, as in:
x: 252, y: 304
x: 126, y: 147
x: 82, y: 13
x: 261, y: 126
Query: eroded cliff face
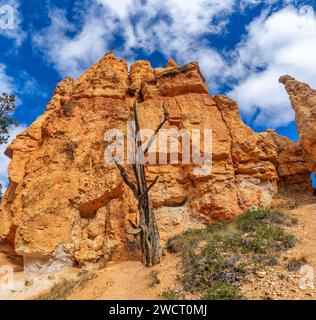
x: 303, y: 100
x: 56, y: 210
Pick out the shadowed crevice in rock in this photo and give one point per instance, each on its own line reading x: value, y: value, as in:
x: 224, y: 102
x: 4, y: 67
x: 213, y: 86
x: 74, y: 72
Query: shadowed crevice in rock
x: 89, y: 209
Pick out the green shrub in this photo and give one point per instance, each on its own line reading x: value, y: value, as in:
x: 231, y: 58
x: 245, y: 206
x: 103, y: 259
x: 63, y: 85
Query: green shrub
x: 222, y: 290
x: 170, y: 294
x: 295, y: 264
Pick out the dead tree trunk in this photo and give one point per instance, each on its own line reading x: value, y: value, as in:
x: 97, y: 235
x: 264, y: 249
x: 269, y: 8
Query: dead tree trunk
x: 147, y: 229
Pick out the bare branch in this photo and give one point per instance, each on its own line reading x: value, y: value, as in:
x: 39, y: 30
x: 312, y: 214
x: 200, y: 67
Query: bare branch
x: 134, y: 232
x: 153, y: 183
x: 153, y: 137
x: 148, y: 189
x: 137, y: 127
x: 133, y: 225
x: 126, y: 179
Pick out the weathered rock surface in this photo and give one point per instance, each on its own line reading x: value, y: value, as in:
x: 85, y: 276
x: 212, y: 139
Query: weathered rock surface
x: 65, y: 204
x: 303, y: 100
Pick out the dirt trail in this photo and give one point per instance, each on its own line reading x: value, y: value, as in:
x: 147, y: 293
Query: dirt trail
x: 307, y: 232
x: 130, y: 280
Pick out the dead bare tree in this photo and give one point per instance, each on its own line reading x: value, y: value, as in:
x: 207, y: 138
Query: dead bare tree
x: 147, y: 228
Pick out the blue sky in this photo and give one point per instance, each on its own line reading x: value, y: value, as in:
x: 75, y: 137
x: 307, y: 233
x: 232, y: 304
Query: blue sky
x: 242, y: 46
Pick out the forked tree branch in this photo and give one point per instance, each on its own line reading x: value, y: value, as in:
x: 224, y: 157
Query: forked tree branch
x: 124, y: 175
x: 145, y: 193
x: 133, y: 225
x: 137, y: 127
x: 153, y: 137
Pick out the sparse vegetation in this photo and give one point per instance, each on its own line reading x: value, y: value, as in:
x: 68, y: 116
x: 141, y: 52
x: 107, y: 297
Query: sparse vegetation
x: 216, y: 259
x: 170, y: 294
x: 222, y: 290
x: 295, y: 264
x: 153, y: 279
x: 83, y: 272
x: 63, y: 288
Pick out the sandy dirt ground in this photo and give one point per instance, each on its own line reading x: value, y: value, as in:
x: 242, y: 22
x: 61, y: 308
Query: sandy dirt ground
x: 130, y: 280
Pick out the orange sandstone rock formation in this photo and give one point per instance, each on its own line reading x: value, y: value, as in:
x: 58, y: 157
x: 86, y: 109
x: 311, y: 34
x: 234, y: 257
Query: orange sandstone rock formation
x: 303, y: 100
x: 66, y: 205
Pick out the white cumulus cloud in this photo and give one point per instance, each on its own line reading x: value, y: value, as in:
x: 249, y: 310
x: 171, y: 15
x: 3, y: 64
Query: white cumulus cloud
x: 283, y: 42
x: 175, y: 28
x: 6, y: 82
x: 69, y: 51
